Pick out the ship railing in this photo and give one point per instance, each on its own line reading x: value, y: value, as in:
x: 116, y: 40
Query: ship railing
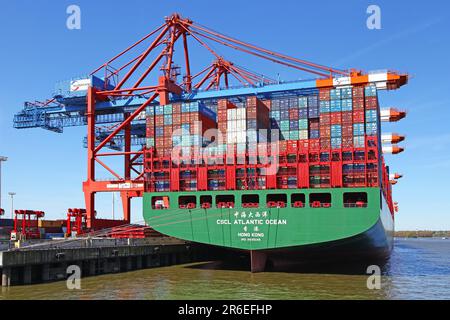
x: 318, y: 204
x: 355, y: 205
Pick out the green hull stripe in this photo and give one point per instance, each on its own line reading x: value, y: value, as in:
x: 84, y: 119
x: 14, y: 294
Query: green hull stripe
x: 263, y: 228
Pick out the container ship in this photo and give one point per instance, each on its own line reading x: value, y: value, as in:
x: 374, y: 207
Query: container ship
x: 320, y: 189
x: 281, y: 171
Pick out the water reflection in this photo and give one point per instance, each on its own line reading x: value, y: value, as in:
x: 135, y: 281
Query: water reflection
x: 418, y: 269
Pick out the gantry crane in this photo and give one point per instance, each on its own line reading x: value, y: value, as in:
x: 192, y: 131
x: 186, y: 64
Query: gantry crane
x: 26, y: 225
x: 113, y: 99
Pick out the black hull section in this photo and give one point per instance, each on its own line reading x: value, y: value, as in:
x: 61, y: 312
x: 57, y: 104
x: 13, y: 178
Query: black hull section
x: 371, y: 247
x: 374, y: 245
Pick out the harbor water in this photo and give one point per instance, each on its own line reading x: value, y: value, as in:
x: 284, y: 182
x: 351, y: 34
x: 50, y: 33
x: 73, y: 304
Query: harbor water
x: 418, y: 269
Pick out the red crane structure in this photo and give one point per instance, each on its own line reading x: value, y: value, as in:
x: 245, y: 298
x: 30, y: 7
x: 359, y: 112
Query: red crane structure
x: 134, y: 76
x: 26, y: 224
x: 76, y: 221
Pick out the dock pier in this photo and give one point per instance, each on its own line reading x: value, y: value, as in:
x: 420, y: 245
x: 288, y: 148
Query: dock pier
x: 41, y: 263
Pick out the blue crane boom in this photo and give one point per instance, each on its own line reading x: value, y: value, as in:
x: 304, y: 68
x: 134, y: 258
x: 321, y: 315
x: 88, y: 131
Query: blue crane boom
x: 68, y: 109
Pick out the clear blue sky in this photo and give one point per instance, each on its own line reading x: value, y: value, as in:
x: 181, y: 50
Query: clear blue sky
x: 37, y: 50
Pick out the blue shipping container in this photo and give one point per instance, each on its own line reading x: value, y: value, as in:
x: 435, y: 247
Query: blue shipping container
x: 303, y: 113
x: 313, y: 113
x: 347, y: 105
x: 335, y: 94
x: 185, y: 107
x: 336, y: 131
x: 303, y: 124
x: 336, y: 143
x: 159, y: 110
x: 325, y: 106
x: 372, y: 128
x: 293, y: 124
x: 371, y: 91
x: 313, y: 101
x: 303, y: 102
x: 168, y: 109
x: 150, y: 111
x: 358, y: 129
x: 314, y: 134
x: 371, y: 115
x: 294, y: 135
x: 207, y: 112
x: 359, y: 142
x: 346, y: 93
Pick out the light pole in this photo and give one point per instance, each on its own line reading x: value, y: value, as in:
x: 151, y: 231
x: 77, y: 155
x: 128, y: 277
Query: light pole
x: 113, y: 205
x: 12, y: 194
x: 2, y: 159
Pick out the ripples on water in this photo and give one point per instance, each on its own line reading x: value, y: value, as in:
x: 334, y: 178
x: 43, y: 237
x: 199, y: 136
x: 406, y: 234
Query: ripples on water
x: 418, y: 269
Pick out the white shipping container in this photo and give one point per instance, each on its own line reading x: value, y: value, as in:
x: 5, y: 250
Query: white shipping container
x: 241, y: 113
x: 241, y: 137
x: 231, y: 114
x: 230, y: 138
x: 303, y: 134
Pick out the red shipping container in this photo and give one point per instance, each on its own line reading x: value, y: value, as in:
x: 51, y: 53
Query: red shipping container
x: 303, y: 145
x: 324, y: 94
x: 292, y: 146
x: 347, y: 142
x: 358, y: 92
x: 167, y: 141
x: 358, y: 102
x: 359, y: 107
x: 167, y: 152
x: 314, y: 144
x: 347, y: 117
x: 314, y: 124
x: 358, y: 116
x: 252, y: 101
x: 224, y: 105
x: 159, y: 143
x: 336, y: 118
x: 325, y: 118
x: 159, y: 121
x: 347, y: 130
x: 222, y: 115
x: 168, y: 131
x: 325, y: 131
x: 223, y: 128
x: 176, y: 108
x: 176, y: 119
x: 283, y: 146
x: 150, y: 120
x: 325, y: 143
x: 194, y: 116
x: 293, y: 114
x: 251, y: 113
x: 267, y: 104
x: 373, y: 105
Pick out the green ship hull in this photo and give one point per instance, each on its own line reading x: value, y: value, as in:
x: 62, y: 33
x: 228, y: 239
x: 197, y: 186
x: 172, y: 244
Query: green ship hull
x: 281, y: 235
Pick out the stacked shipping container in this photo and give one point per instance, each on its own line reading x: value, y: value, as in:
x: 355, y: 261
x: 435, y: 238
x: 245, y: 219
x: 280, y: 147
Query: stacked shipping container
x: 178, y: 125
x: 327, y: 139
